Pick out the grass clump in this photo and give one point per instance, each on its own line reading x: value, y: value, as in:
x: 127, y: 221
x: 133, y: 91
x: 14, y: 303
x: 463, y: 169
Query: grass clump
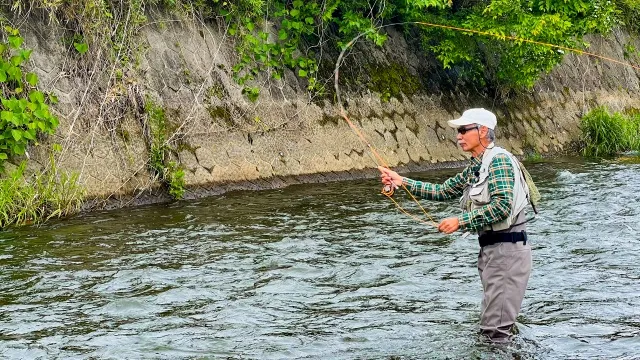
x: 607, y: 134
x: 168, y: 172
x: 39, y: 197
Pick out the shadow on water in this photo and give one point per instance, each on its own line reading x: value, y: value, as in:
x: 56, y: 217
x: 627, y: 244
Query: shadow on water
x: 323, y: 271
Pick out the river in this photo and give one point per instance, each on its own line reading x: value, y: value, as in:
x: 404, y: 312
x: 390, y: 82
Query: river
x: 323, y: 271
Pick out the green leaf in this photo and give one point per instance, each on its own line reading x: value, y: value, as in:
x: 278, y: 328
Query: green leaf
x: 22, y: 104
x: 3, y: 156
x: 6, y: 116
x: 7, y: 103
x: 81, y: 47
x: 17, y: 134
x: 57, y: 147
x: 250, y: 26
x: 15, y: 41
x: 302, y: 73
x: 295, y: 12
x: 53, y: 99
x: 16, y: 119
x: 29, y: 135
x: 14, y: 73
x: 32, y: 79
x: 39, y: 114
x: 282, y: 35
x: 328, y: 14
x: 3, y: 76
x: 298, y: 3
x: 36, y: 97
x: 309, y: 20
x: 18, y: 149
x: 232, y: 31
x: 16, y: 60
x: 252, y: 93
x: 25, y: 54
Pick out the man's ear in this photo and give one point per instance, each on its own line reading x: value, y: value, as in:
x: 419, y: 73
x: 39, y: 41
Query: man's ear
x: 483, y: 131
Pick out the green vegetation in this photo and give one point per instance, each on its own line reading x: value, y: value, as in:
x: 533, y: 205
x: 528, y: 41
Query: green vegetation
x: 533, y: 157
x: 108, y: 27
x: 24, y: 112
x: 606, y: 134
x: 274, y: 35
x: 24, y: 117
x: 38, y: 197
x: 629, y: 13
x: 168, y: 172
x: 512, y: 63
x: 306, y: 28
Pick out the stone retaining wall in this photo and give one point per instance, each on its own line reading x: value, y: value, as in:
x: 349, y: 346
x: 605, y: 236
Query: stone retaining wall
x: 223, y: 141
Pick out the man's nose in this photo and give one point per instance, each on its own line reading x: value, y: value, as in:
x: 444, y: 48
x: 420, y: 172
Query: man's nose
x: 459, y: 136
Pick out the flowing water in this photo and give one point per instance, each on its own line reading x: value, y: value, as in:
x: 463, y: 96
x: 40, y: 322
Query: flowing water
x: 325, y: 271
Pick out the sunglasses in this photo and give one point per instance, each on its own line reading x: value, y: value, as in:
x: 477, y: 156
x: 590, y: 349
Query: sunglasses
x: 463, y: 130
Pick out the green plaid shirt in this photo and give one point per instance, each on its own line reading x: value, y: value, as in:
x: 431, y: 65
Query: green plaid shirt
x: 501, y: 184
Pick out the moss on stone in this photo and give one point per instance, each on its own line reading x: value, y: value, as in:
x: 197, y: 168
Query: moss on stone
x: 188, y: 79
x: 215, y: 90
x: 123, y: 133
x: 392, y: 80
x: 387, y: 79
x: 184, y: 146
x: 221, y: 113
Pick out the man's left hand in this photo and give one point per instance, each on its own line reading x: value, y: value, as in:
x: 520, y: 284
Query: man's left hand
x: 449, y: 225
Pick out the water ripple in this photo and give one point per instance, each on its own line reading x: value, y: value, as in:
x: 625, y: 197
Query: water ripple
x: 322, y: 271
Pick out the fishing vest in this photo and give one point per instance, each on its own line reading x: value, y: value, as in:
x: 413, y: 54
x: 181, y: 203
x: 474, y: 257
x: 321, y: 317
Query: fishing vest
x: 477, y: 195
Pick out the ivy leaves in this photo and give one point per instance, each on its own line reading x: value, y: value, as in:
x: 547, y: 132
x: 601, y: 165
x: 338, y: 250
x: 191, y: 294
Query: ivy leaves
x: 24, y: 111
x: 260, y: 51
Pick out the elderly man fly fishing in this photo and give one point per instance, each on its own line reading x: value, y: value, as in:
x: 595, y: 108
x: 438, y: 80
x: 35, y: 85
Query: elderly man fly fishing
x: 494, y: 193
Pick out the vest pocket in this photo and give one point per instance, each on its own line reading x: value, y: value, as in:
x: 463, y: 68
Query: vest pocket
x: 479, y: 192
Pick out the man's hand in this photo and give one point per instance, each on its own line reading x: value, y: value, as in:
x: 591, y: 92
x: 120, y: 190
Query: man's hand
x: 389, y: 177
x: 449, y: 225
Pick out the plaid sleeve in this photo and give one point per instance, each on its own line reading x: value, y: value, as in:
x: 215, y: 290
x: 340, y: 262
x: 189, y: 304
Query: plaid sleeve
x: 452, y: 187
x: 501, y: 184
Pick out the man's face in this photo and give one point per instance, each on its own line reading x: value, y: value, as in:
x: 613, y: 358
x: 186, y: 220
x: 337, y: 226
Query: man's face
x: 468, y: 137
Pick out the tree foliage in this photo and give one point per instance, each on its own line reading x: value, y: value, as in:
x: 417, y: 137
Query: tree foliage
x: 275, y: 35
x: 304, y: 27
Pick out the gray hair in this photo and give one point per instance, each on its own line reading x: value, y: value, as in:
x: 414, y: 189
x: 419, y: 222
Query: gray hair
x: 491, y: 135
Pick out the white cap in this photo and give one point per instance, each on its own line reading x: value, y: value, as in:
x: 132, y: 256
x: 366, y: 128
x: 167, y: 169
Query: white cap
x: 478, y: 116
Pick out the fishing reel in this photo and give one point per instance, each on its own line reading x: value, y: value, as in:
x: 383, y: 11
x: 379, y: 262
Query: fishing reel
x: 388, y: 190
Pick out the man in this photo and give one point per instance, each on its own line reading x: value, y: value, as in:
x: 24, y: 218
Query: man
x: 494, y: 194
